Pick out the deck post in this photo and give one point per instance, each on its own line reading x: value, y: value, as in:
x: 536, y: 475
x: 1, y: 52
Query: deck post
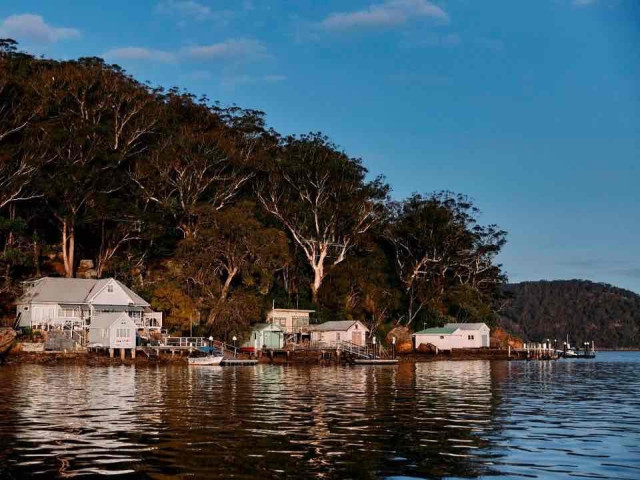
x: 111, y: 352
x: 122, y: 353
x: 133, y: 353
x: 509, y: 351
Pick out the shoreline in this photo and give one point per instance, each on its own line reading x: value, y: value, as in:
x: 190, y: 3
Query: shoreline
x: 93, y: 359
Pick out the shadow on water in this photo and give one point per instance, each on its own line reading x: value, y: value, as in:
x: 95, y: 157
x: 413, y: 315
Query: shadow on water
x: 429, y: 420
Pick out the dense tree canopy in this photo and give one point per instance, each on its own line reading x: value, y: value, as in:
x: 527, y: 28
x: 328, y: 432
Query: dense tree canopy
x: 211, y: 215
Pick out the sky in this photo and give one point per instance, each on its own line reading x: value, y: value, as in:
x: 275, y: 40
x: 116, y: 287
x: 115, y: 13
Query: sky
x: 532, y: 108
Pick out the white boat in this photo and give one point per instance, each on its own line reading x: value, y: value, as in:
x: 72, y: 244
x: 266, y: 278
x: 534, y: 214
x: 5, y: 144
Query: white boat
x: 208, y: 360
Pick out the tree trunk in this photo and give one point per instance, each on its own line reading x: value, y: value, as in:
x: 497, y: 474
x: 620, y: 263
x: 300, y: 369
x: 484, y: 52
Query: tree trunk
x: 227, y: 284
x: 68, y: 246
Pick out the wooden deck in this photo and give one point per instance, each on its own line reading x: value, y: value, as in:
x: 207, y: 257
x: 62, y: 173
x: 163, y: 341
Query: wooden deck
x: 375, y: 361
x: 238, y: 362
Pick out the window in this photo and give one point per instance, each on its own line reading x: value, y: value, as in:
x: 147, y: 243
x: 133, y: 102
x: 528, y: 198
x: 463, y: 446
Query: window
x: 338, y: 336
x: 110, y: 288
x: 441, y: 337
x: 470, y: 337
x: 122, y: 332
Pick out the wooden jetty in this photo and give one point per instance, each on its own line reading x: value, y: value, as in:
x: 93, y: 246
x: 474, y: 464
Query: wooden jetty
x: 238, y: 362
x: 375, y: 361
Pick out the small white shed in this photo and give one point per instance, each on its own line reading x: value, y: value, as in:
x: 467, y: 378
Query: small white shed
x: 267, y: 335
x: 454, y: 335
x: 112, y: 330
x: 353, y: 331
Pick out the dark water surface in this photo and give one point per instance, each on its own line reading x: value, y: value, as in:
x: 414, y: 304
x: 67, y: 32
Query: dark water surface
x: 559, y: 419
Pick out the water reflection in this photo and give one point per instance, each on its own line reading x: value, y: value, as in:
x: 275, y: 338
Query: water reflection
x: 453, y: 419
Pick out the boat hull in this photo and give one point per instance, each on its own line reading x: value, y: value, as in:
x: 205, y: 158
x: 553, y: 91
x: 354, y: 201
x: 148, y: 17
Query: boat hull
x: 205, y: 361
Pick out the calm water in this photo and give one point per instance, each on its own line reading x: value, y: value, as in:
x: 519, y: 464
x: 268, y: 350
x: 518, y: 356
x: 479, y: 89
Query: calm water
x: 442, y: 419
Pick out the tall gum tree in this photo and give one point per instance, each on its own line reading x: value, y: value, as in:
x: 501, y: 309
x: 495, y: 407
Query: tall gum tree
x: 199, y: 159
x: 322, y: 198
x: 438, y: 244
x: 233, y: 252
x: 86, y: 139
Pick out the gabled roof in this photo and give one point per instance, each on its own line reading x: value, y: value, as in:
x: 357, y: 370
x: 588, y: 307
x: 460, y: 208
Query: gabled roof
x: 446, y: 330
x: 263, y: 326
x: 466, y: 326
x: 450, y: 328
x: 336, y: 326
x: 105, y: 320
x: 73, y: 291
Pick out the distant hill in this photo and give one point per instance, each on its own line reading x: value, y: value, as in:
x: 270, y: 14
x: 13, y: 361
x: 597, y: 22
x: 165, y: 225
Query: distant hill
x: 584, y: 310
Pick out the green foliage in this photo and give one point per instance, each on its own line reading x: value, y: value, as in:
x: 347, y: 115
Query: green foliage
x: 212, y: 215
x: 583, y: 310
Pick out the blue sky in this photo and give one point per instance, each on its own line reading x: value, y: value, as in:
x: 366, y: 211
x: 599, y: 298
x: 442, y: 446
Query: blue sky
x: 530, y: 107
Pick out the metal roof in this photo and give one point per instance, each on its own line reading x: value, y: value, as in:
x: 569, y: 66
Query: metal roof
x: 437, y: 331
x: 335, y: 326
x: 263, y: 326
x: 466, y: 326
x: 450, y: 328
x: 73, y: 291
x: 105, y: 320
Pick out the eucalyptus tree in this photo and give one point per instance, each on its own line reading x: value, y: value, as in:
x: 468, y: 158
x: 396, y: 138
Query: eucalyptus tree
x: 438, y: 244
x: 232, y: 255
x: 18, y: 110
x: 91, y: 124
x: 322, y: 198
x: 198, y: 159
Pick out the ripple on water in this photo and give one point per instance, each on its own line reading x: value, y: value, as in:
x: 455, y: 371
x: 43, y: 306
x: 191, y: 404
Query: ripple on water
x: 439, y: 419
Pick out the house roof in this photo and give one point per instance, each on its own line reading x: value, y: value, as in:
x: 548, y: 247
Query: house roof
x: 263, y: 326
x: 105, y: 320
x: 73, y: 291
x: 450, y: 328
x: 335, y: 326
x: 294, y: 310
x: 437, y: 331
x: 466, y: 326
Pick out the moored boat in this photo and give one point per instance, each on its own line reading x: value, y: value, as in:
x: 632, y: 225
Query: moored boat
x: 205, y: 361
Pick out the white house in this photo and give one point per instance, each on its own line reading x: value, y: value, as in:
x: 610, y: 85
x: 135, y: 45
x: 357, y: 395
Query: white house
x: 112, y: 330
x: 454, y: 335
x: 290, y: 320
x: 353, y: 331
x: 70, y: 303
x: 267, y: 335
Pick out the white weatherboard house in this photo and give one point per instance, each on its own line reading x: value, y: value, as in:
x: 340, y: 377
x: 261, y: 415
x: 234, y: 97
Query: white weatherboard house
x: 72, y: 303
x: 353, y: 331
x: 112, y: 330
x: 290, y: 320
x: 454, y: 335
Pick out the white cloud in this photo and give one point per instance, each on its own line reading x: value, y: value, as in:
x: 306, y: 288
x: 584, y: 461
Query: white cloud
x: 232, y: 49
x: 32, y: 28
x: 139, y: 54
x: 391, y: 13
x: 192, y: 10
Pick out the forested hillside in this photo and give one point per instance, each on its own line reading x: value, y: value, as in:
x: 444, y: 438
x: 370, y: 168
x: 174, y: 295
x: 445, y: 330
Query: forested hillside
x: 584, y: 310
x: 212, y: 216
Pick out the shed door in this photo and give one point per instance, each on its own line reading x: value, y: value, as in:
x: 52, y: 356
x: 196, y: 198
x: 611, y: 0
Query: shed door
x: 271, y: 339
x: 356, y: 337
x: 485, y: 340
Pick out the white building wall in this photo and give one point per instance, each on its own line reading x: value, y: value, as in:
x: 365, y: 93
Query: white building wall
x: 332, y: 336
x: 458, y: 339
x: 116, y: 297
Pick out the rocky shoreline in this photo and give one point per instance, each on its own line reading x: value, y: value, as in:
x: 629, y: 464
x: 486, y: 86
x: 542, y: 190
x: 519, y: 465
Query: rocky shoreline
x: 94, y: 359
